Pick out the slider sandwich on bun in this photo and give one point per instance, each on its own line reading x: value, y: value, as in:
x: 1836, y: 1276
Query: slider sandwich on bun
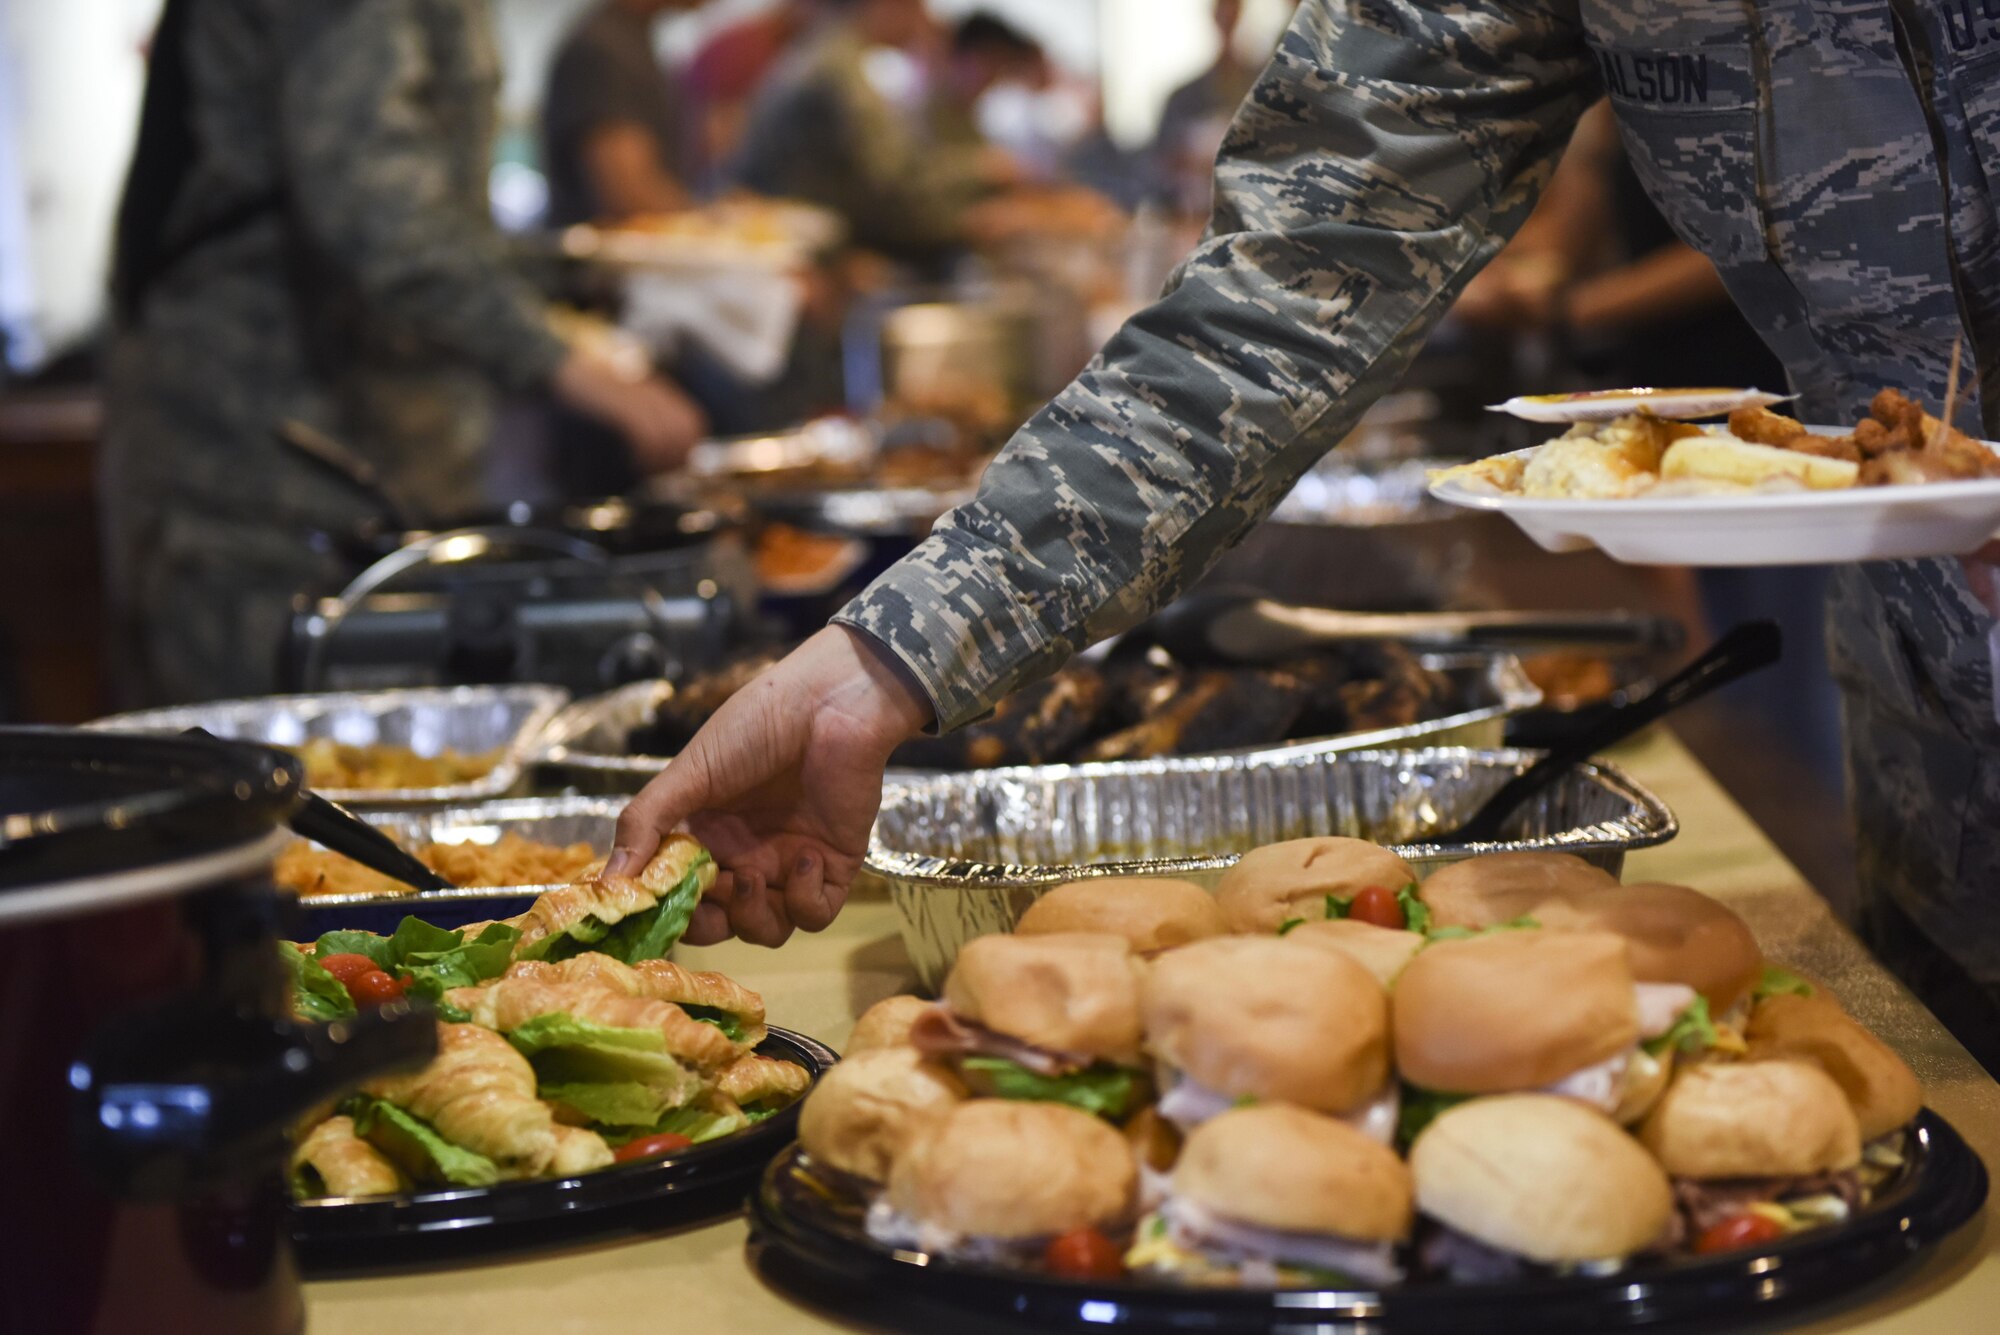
x: 886, y: 1024
x: 1531, y: 1178
x: 1275, y: 1196
x: 1383, y: 951
x: 1304, y: 879
x: 1775, y: 1138
x: 1530, y: 1010
x: 1152, y: 913
x: 867, y: 1109
x: 1265, y: 1019
x: 1880, y: 1086
x: 1497, y: 888
x: 1676, y: 935
x: 994, y: 1180
x: 1042, y: 1017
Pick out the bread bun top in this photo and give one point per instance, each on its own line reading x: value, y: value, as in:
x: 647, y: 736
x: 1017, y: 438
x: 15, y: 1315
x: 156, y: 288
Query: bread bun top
x: 1514, y: 1010
x: 886, y: 1024
x: 1264, y: 1018
x: 1074, y: 992
x: 1383, y: 951
x: 1276, y: 1166
x: 1677, y: 935
x: 863, y: 1112
x: 1271, y: 885
x: 1152, y: 913
x: 1779, y: 1118
x: 1880, y: 1086
x: 1542, y: 1177
x: 999, y: 1168
x: 1499, y: 887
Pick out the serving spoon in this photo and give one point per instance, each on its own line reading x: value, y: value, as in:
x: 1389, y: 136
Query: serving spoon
x: 1745, y: 649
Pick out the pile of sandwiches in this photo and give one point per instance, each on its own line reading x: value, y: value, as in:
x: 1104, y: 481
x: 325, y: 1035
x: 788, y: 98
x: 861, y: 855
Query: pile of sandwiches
x: 1540, y: 1071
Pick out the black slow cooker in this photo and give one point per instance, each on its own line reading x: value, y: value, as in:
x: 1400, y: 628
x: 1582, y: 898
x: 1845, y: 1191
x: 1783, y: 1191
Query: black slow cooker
x: 149, y: 1069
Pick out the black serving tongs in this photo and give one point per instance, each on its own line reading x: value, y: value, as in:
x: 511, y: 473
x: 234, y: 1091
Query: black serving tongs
x: 333, y: 826
x: 1748, y: 647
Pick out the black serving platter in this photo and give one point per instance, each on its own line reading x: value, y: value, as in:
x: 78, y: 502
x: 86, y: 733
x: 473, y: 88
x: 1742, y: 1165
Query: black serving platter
x: 430, y: 1228
x: 1942, y: 1188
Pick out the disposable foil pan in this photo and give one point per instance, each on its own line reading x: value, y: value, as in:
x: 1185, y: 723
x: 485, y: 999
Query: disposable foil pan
x: 473, y: 719
x: 549, y: 820
x: 585, y: 747
x: 963, y: 855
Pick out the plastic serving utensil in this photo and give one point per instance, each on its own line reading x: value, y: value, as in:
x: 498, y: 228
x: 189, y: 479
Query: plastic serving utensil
x: 1748, y: 647
x: 333, y: 826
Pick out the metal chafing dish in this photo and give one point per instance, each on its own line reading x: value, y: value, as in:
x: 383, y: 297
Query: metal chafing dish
x: 549, y: 820
x: 964, y: 855
x: 470, y: 719
x: 584, y: 748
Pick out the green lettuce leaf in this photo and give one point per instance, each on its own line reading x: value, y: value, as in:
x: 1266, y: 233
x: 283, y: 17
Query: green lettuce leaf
x: 699, y: 1124
x: 646, y: 935
x: 1288, y: 924
x: 1777, y: 982
x: 1418, y: 1108
x: 560, y: 1029
x: 1416, y: 913
x: 731, y: 1025
x: 350, y: 942
x: 1338, y: 908
x: 433, y: 959
x: 1103, y: 1089
x: 1523, y: 923
x: 1692, y: 1032
x: 416, y: 1145
x: 316, y: 994
x: 611, y: 1103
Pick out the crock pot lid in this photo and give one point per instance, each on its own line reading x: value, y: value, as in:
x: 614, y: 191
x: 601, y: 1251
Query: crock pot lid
x: 77, y: 804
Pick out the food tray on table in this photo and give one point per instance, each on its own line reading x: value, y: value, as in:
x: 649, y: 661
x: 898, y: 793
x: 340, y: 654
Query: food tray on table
x: 585, y: 746
x: 505, y: 721
x: 704, y: 1182
x: 560, y: 821
x: 1941, y: 1187
x: 963, y: 855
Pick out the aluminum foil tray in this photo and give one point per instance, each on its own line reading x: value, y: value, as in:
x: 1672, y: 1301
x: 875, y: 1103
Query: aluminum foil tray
x: 509, y: 719
x: 584, y: 748
x: 964, y: 855
x: 548, y: 820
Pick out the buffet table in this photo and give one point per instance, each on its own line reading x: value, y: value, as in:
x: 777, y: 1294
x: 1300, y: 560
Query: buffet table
x: 699, y: 1279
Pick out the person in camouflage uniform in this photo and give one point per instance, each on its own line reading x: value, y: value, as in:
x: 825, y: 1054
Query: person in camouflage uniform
x: 1830, y: 156
x: 305, y: 236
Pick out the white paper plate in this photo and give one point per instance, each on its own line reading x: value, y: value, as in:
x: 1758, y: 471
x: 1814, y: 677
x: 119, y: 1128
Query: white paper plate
x: 1601, y: 405
x: 1775, y: 529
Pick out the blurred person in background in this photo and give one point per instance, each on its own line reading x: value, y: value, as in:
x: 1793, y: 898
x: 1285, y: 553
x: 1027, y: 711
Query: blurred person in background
x: 614, y: 128
x: 983, y: 53
x: 305, y: 236
x: 1197, y: 115
x: 727, y: 69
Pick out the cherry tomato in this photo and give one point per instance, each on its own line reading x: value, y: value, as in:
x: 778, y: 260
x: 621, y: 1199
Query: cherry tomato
x: 1083, y: 1253
x: 347, y: 968
x: 1741, y: 1230
x: 374, y: 987
x: 1377, y: 904
x: 651, y: 1147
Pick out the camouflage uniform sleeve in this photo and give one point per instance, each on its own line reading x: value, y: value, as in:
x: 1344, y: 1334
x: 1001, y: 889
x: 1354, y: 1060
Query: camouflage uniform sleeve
x: 1384, y: 156
x: 371, y: 178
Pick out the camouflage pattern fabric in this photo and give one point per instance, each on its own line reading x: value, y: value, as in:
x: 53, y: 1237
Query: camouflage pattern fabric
x: 373, y: 302
x: 1831, y: 156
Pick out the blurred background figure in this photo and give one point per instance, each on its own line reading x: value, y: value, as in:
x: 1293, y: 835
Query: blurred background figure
x: 615, y: 131
x: 726, y: 70
x: 1197, y: 115
x: 305, y: 237
x: 982, y: 54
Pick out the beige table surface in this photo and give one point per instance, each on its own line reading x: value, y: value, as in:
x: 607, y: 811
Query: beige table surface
x: 700, y: 1280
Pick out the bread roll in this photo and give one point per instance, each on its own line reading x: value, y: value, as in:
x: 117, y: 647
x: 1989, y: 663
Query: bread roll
x: 1152, y: 913
x: 864, y: 1111
x: 1540, y: 1177
x: 1499, y: 887
x: 1264, y: 1018
x: 1880, y: 1086
x: 1281, y: 1167
x: 1779, y: 1118
x: 1676, y: 935
x: 886, y: 1024
x: 996, y: 1168
x: 1383, y: 951
x: 1271, y: 885
x: 1071, y: 992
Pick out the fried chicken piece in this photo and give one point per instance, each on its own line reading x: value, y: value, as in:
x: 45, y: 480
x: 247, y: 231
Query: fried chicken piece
x: 1761, y: 426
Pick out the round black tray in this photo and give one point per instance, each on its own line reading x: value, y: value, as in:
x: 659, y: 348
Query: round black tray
x: 1941, y: 1190
x: 436, y: 1227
